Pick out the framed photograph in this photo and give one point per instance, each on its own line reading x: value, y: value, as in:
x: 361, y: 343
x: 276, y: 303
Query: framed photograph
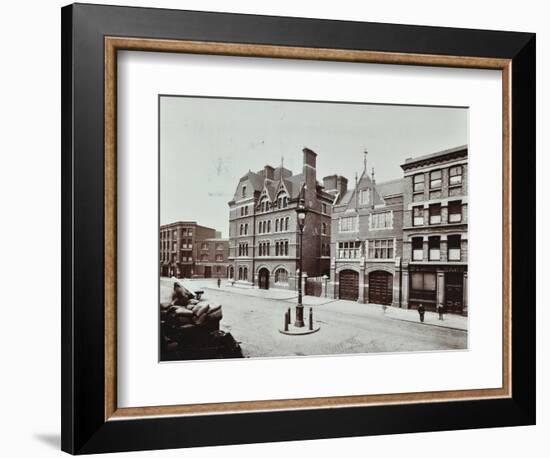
x: 283, y: 228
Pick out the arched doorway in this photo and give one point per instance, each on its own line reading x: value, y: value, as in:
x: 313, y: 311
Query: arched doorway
x: 349, y: 285
x: 263, y: 278
x: 380, y: 287
x: 231, y: 273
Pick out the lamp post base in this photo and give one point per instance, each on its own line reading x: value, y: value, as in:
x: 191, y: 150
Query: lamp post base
x: 294, y: 331
x: 299, y: 323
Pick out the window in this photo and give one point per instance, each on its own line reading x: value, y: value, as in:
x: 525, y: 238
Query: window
x: 418, y: 216
x: 435, y: 179
x: 241, y: 230
x: 435, y: 214
x: 269, y: 226
x: 364, y: 197
x: 381, y: 220
x: 348, y: 224
x: 286, y: 223
x: 219, y: 258
x: 433, y: 248
x: 455, y: 211
x: 204, y: 246
x: 240, y: 273
x: 418, y: 183
x: 286, y: 248
x: 417, y: 249
x: 324, y: 228
x: 204, y: 257
x: 264, y: 249
x: 276, y: 225
x: 324, y: 208
x: 455, y: 175
x: 246, y: 210
x: 246, y: 228
x: 453, y: 247
x: 423, y: 281
x: 190, y: 232
x: 243, y: 191
x: 242, y: 211
x: 276, y: 248
x: 349, y: 250
x: 243, y: 249
x: 381, y: 249
x: 245, y: 273
x: 219, y: 246
x: 281, y: 276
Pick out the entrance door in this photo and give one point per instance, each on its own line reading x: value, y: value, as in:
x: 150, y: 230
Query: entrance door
x: 207, y: 271
x: 263, y: 278
x: 380, y: 287
x: 349, y: 285
x: 454, y: 291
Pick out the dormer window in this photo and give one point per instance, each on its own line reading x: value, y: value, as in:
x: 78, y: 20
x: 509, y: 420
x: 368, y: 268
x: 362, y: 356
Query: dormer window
x: 364, y: 196
x: 264, y: 204
x: 243, y: 191
x: 282, y: 200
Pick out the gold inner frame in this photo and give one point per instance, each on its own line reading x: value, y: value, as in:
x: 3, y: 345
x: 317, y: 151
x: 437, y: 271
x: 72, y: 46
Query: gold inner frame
x: 114, y: 44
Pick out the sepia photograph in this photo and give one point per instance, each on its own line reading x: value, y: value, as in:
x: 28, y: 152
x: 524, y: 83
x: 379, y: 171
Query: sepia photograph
x: 292, y: 228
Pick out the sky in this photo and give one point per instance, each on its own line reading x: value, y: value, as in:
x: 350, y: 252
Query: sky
x: 207, y: 144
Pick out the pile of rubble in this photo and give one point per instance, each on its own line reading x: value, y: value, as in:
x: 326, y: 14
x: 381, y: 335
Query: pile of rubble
x: 190, y: 329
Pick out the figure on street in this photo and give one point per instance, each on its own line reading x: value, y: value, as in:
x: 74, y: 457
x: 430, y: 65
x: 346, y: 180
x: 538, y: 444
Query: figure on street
x: 421, y: 312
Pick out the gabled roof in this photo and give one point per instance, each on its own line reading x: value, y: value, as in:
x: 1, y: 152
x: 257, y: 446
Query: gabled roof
x: 381, y: 190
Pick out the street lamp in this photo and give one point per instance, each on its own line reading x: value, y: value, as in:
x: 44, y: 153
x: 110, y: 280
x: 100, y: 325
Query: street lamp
x: 301, y: 214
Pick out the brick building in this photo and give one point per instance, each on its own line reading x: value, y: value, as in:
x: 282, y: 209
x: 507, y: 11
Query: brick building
x: 263, y: 231
x: 366, y: 241
x: 180, y: 249
x: 212, y: 258
x: 435, y: 230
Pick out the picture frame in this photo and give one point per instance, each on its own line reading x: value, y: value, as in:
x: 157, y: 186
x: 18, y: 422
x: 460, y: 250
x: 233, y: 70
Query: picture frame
x: 91, y: 37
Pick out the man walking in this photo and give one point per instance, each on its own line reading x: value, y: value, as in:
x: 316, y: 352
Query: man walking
x: 219, y: 282
x: 421, y: 312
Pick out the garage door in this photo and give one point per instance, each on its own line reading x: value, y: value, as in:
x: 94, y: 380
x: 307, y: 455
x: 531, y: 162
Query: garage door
x: 349, y: 285
x: 380, y: 287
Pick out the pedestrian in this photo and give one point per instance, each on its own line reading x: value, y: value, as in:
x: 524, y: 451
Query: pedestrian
x: 421, y: 312
x: 219, y: 282
x: 441, y: 311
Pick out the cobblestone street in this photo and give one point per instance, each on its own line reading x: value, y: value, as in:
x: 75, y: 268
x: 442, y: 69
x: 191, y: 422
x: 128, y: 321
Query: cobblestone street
x: 254, y: 318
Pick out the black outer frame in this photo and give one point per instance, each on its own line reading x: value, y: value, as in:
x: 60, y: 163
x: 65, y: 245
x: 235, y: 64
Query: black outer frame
x: 84, y: 429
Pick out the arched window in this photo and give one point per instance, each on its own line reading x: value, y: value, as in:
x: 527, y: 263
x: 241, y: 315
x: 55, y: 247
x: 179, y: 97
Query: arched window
x: 281, y: 275
x: 240, y: 273
x: 282, y: 199
x: 231, y: 272
x: 243, y: 192
x: 245, y: 273
x: 286, y: 223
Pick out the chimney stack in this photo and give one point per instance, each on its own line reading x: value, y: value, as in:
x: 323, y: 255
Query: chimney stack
x: 335, y: 184
x: 309, y: 169
x: 269, y: 172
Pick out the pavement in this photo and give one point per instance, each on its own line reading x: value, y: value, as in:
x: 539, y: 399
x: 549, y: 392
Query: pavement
x: 254, y: 317
x: 451, y: 321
